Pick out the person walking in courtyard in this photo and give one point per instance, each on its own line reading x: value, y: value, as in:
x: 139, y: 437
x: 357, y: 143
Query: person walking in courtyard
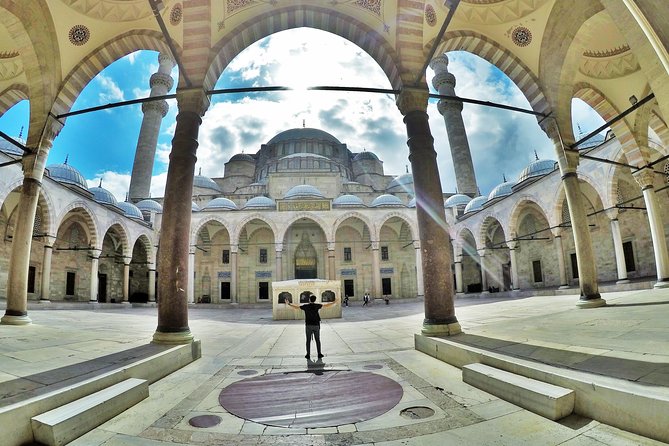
x: 312, y: 322
x: 365, y: 299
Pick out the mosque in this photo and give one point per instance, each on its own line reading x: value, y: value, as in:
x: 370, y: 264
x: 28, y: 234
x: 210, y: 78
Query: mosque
x: 303, y: 206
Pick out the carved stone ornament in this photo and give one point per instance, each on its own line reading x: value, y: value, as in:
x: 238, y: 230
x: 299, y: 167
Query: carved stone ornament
x: 412, y: 99
x: 193, y: 100
x: 79, y: 35
x: 645, y: 178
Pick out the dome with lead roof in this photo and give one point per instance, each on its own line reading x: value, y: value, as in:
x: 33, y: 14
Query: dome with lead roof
x: 260, y: 202
x: 242, y: 157
x: 401, y: 183
x: 386, y: 200
x: 303, y: 191
x: 457, y: 200
x: 362, y: 156
x: 149, y: 206
x: 206, y: 183
x: 536, y: 169
x: 102, y: 195
x: 303, y: 133
x: 64, y: 173
x: 9, y: 148
x: 130, y: 210
x: 502, y: 190
x: 220, y: 203
x: 476, y: 204
x: 347, y: 200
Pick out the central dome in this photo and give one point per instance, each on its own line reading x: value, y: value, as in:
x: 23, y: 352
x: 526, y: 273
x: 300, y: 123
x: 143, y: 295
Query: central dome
x: 303, y: 133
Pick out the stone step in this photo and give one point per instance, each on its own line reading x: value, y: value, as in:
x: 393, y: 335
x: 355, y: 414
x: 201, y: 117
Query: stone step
x: 545, y: 399
x: 65, y: 423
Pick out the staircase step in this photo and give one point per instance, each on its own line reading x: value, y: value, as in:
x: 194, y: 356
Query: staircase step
x: 65, y: 423
x: 545, y: 399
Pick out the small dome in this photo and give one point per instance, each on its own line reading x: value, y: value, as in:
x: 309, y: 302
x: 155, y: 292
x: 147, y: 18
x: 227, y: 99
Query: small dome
x: 412, y: 203
x: 194, y: 207
x: 592, y: 142
x: 501, y: 190
x: 303, y: 133
x: 457, y: 200
x: 386, y: 200
x: 149, y: 206
x: 365, y: 156
x: 9, y: 148
x: 260, y: 202
x: 102, y: 195
x: 303, y: 191
x: 536, y: 169
x: 401, y: 183
x: 206, y: 183
x: 220, y: 203
x: 242, y: 157
x: 347, y: 200
x: 64, y: 173
x: 476, y: 204
x: 130, y: 210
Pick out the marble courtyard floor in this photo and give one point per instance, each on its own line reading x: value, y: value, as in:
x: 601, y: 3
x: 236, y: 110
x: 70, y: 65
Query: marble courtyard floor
x: 627, y: 340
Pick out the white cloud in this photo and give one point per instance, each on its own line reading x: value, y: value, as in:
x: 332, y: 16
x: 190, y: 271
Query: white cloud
x: 115, y: 182
x: 109, y: 89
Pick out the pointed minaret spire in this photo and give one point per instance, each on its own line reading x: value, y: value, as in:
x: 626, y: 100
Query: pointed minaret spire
x: 199, y: 172
x: 304, y: 123
x: 504, y: 177
x: 126, y: 197
x: 536, y: 157
x: 100, y: 185
x: 406, y: 167
x: 21, y: 133
x: 66, y: 157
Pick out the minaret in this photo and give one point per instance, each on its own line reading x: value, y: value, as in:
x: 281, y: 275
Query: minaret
x: 451, y: 110
x: 154, y: 112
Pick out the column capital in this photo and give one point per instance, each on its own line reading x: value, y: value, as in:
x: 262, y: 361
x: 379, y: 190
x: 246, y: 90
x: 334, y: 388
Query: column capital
x: 194, y: 100
x: 412, y: 99
x: 375, y: 244
x: 612, y: 214
x: 234, y: 249
x: 191, y: 250
x: 332, y: 246
x: 127, y: 260
x: 278, y: 247
x: 645, y: 178
x: 416, y: 244
x: 49, y: 240
x: 513, y: 245
x: 94, y: 253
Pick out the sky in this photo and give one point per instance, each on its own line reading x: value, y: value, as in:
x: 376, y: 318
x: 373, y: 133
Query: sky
x: 101, y: 145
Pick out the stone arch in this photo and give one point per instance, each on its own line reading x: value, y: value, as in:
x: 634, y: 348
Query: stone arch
x: 410, y: 224
x: 351, y: 214
x: 234, y: 236
x: 489, y: 221
x: 203, y: 222
x: 324, y: 18
x: 595, y: 99
x: 560, y: 55
x: 660, y: 127
x: 461, y: 236
x: 520, y: 207
x: 147, y: 240
x: 11, y: 96
x: 123, y: 232
x: 101, y: 57
x: 519, y: 73
x: 91, y: 225
x: 44, y: 201
x: 319, y: 221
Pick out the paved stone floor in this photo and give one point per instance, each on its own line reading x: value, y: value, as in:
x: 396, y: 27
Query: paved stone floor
x: 627, y: 339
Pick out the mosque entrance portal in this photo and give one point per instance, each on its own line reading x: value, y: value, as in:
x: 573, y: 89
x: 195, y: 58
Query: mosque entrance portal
x: 306, y: 262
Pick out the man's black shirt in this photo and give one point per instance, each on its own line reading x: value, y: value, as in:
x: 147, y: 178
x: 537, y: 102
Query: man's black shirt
x: 311, y: 316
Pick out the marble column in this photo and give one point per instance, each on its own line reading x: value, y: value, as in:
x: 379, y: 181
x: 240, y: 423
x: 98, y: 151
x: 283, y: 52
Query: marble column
x: 515, y: 283
x: 459, y: 286
x: 376, y: 271
x: 331, y: 262
x: 191, y: 275
x: 279, y: 259
x: 16, y: 312
x: 233, y: 274
x: 420, y: 288
x: 173, y: 271
x: 126, y: 280
x: 142, y: 169
x: 621, y: 266
x: 557, y: 240
x: 484, y: 275
x: 94, y: 255
x: 45, y: 291
x: 152, y: 283
x: 568, y: 160
x: 451, y: 110
x: 440, y: 316
x: 645, y: 179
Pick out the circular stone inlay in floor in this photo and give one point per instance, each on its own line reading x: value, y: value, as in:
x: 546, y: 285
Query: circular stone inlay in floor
x: 373, y: 367
x: 310, y: 400
x: 247, y: 372
x: 417, y: 412
x: 205, y: 421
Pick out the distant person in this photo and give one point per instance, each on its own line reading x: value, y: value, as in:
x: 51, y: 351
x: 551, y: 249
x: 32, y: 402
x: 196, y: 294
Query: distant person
x: 346, y: 300
x: 365, y: 299
x: 312, y: 322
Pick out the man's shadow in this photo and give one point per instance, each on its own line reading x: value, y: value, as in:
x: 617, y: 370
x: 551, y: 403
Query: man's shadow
x: 315, y: 367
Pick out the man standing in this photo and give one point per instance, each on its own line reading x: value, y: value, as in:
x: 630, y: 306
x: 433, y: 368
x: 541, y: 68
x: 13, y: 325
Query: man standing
x: 312, y: 322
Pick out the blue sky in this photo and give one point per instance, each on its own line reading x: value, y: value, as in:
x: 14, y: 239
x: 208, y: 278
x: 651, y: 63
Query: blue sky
x: 102, y: 144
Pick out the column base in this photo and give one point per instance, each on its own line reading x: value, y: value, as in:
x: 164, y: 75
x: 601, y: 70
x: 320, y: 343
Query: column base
x: 591, y: 303
x: 44, y: 301
x: 177, y: 338
x: 664, y: 283
x: 15, y: 320
x: 621, y: 281
x: 441, y: 329
x: 563, y: 287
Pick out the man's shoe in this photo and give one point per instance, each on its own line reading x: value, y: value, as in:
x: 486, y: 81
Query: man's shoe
x: 307, y: 356
x: 320, y: 355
